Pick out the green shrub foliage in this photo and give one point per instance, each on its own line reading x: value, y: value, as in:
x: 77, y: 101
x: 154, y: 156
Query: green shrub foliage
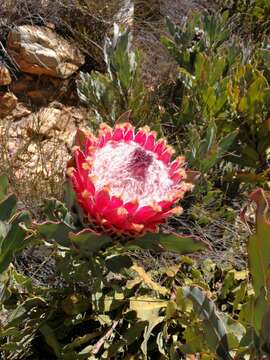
x: 106, y: 305
x: 69, y: 293
x: 121, y: 90
x: 223, y: 96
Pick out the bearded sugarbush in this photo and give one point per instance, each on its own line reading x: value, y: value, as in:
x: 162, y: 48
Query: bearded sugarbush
x: 125, y: 180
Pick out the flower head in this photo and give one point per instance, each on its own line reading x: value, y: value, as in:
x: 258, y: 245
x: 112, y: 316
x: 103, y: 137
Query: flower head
x: 125, y: 180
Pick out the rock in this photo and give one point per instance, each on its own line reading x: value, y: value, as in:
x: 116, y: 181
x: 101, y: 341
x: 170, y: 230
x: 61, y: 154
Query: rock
x: 56, y: 122
x: 8, y: 103
x: 19, y: 112
x: 43, y: 89
x: 5, y: 78
x: 35, y: 88
x: 39, y: 50
x: 37, y: 147
x: 48, y: 121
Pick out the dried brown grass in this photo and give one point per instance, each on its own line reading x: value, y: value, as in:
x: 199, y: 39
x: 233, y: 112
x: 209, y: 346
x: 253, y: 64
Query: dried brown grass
x: 33, y: 153
x: 84, y: 22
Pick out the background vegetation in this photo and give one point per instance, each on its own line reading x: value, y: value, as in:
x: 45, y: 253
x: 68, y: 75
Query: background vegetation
x: 76, y: 296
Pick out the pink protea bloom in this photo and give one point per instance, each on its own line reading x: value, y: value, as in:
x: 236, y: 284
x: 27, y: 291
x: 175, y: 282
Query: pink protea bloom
x: 125, y: 180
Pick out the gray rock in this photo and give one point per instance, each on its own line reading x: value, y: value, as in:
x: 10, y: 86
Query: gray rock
x: 39, y: 50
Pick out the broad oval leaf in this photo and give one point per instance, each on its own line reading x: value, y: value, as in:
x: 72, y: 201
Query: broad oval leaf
x: 56, y: 231
x: 181, y: 244
x: 14, y: 241
x: 3, y: 186
x: 7, y: 207
x: 87, y: 242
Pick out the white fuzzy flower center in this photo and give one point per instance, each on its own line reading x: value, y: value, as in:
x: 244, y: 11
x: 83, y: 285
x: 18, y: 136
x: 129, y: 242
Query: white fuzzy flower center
x: 131, y: 172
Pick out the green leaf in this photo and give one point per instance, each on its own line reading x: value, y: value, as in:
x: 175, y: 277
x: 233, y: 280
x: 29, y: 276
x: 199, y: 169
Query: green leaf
x: 10, y: 331
x: 147, y: 309
x: 24, y: 310
x: 259, y: 245
x: 182, y: 244
x: 69, y: 193
x: 55, y: 210
x: 265, y: 54
x: 235, y: 330
x: 194, y: 340
x: 266, y: 330
x: 14, y: 241
x: 55, y: 231
x: 88, y: 242
x: 75, y: 304
x: 4, y: 229
x: 210, y: 138
x: 7, y: 207
x: 51, y: 339
x: 217, y: 66
x: 106, y: 303
x: 122, y: 88
x: 259, y: 261
x: 22, y: 280
x: 260, y: 308
x: 214, y: 328
x: 226, y: 142
x: 3, y: 186
x: 170, y: 242
x: 116, y: 263
x: 5, y: 291
x: 129, y: 337
x: 200, y: 68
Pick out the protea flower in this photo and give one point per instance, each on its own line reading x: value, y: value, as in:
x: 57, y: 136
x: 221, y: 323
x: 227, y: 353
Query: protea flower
x: 125, y: 180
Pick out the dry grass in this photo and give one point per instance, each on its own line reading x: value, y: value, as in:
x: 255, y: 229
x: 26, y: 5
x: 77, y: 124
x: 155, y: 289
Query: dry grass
x: 35, y: 149
x: 82, y: 21
x: 31, y: 175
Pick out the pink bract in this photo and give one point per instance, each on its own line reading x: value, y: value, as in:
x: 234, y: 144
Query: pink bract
x: 124, y: 179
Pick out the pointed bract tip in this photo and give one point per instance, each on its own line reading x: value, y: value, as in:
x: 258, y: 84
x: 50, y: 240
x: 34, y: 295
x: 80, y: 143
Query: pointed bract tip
x: 86, y: 166
x: 85, y: 194
x: 137, y: 227
x: 181, y: 160
x: 75, y: 148
x: 145, y: 129
x: 124, y: 125
x: 157, y: 208
x: 162, y: 141
x: 121, y: 211
x: 182, y: 173
x: 178, y: 210
x: 104, y: 127
x: 70, y: 171
x: 135, y: 201
x: 93, y: 178
x: 106, y: 188
x: 170, y: 149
